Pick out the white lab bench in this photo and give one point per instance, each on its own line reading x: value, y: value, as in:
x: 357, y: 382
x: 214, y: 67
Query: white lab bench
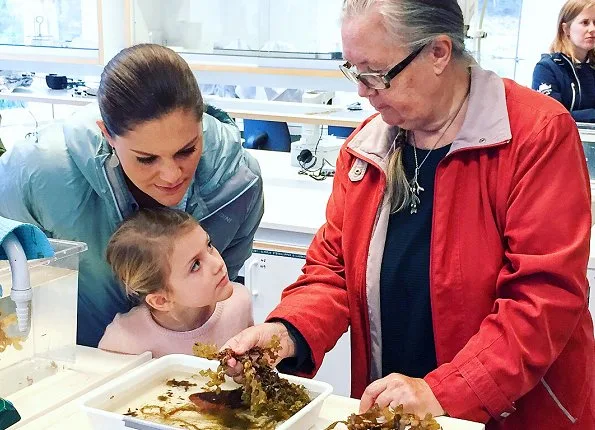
x: 92, y: 367
x: 302, y: 113
x: 294, y: 204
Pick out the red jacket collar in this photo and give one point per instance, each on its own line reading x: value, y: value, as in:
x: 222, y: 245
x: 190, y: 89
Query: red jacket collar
x: 486, y: 122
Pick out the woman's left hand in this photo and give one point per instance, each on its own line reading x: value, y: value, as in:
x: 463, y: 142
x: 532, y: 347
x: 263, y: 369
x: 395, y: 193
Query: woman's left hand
x: 395, y: 389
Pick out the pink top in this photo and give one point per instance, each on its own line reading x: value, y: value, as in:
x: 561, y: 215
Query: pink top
x: 135, y: 331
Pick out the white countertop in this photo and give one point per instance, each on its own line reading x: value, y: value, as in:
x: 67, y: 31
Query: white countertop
x: 92, y: 367
x: 292, y: 202
x: 587, y: 134
x: 302, y: 113
x: 58, y: 400
x: 40, y: 93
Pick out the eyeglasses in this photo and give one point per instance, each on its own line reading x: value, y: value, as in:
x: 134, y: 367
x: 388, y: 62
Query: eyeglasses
x: 375, y: 80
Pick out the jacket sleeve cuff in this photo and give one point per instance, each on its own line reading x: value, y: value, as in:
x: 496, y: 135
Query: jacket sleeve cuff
x: 302, y: 361
x: 307, y: 332
x: 469, y: 392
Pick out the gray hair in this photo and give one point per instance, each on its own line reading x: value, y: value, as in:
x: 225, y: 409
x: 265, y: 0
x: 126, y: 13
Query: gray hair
x: 416, y: 22
x: 413, y: 23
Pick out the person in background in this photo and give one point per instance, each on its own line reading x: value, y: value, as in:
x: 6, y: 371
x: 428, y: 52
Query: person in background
x: 165, y: 260
x: 149, y: 143
x: 456, y: 239
x: 567, y: 73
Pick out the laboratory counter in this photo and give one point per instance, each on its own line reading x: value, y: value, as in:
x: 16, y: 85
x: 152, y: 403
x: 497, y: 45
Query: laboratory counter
x: 70, y: 415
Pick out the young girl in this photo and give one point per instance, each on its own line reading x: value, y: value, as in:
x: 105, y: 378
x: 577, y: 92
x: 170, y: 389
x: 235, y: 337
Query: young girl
x: 165, y: 259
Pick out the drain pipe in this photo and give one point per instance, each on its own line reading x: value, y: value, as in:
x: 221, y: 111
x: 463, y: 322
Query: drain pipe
x: 20, y: 293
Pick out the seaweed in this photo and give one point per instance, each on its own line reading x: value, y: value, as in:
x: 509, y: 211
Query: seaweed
x: 5, y: 340
x: 387, y: 419
x: 264, y: 391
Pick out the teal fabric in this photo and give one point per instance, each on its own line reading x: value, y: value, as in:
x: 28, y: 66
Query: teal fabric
x: 8, y: 414
x: 34, y: 242
x: 64, y: 184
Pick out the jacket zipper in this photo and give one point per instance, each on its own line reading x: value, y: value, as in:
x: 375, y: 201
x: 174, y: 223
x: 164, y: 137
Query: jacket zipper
x: 572, y: 84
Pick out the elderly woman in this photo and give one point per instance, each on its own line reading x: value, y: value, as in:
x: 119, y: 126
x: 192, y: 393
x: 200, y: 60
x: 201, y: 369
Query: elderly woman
x: 456, y: 240
x: 148, y: 143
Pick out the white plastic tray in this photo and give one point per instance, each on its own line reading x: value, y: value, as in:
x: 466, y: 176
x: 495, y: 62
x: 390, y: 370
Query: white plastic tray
x: 105, y: 406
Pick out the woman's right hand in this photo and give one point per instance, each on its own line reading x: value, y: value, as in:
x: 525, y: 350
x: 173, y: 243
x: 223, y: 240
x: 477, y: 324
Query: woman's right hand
x: 259, y: 335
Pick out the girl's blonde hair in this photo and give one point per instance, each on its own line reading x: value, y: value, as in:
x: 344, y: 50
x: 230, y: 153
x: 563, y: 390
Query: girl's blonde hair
x: 139, y: 249
x: 563, y: 44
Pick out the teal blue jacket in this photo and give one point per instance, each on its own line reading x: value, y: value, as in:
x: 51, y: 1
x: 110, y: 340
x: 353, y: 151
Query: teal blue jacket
x: 65, y: 185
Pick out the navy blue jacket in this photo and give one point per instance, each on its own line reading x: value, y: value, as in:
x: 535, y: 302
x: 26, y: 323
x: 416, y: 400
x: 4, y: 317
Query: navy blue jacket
x: 555, y: 75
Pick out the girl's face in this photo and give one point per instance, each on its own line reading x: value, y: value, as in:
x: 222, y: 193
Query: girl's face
x: 581, y: 32
x: 198, y: 276
x: 160, y: 156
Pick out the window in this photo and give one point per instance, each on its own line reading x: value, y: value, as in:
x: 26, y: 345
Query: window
x: 518, y: 32
x: 49, y: 23
x: 289, y: 28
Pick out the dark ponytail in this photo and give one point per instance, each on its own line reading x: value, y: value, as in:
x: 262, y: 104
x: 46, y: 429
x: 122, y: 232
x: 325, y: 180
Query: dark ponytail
x: 145, y: 82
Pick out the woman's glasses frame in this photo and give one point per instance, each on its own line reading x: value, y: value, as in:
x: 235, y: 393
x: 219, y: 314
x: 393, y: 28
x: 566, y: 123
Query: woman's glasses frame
x: 375, y: 80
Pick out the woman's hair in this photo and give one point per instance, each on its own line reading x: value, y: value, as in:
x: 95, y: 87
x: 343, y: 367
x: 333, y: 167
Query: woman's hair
x: 412, y: 23
x: 562, y: 43
x: 145, y: 82
x: 139, y: 249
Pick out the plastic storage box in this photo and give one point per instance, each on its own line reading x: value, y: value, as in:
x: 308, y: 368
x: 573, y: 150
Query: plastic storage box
x: 106, y: 405
x: 52, y: 339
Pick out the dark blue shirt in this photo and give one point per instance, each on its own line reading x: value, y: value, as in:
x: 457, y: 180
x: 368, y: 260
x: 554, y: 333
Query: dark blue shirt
x: 406, y: 315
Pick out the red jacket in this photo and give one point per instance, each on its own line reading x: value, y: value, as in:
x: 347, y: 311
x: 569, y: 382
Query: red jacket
x: 508, y: 258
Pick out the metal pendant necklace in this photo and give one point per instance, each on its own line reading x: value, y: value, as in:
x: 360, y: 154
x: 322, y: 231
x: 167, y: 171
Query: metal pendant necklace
x: 414, y: 186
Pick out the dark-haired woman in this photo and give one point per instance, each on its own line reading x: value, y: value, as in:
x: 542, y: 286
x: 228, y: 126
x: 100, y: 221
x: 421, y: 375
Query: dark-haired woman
x: 150, y: 144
